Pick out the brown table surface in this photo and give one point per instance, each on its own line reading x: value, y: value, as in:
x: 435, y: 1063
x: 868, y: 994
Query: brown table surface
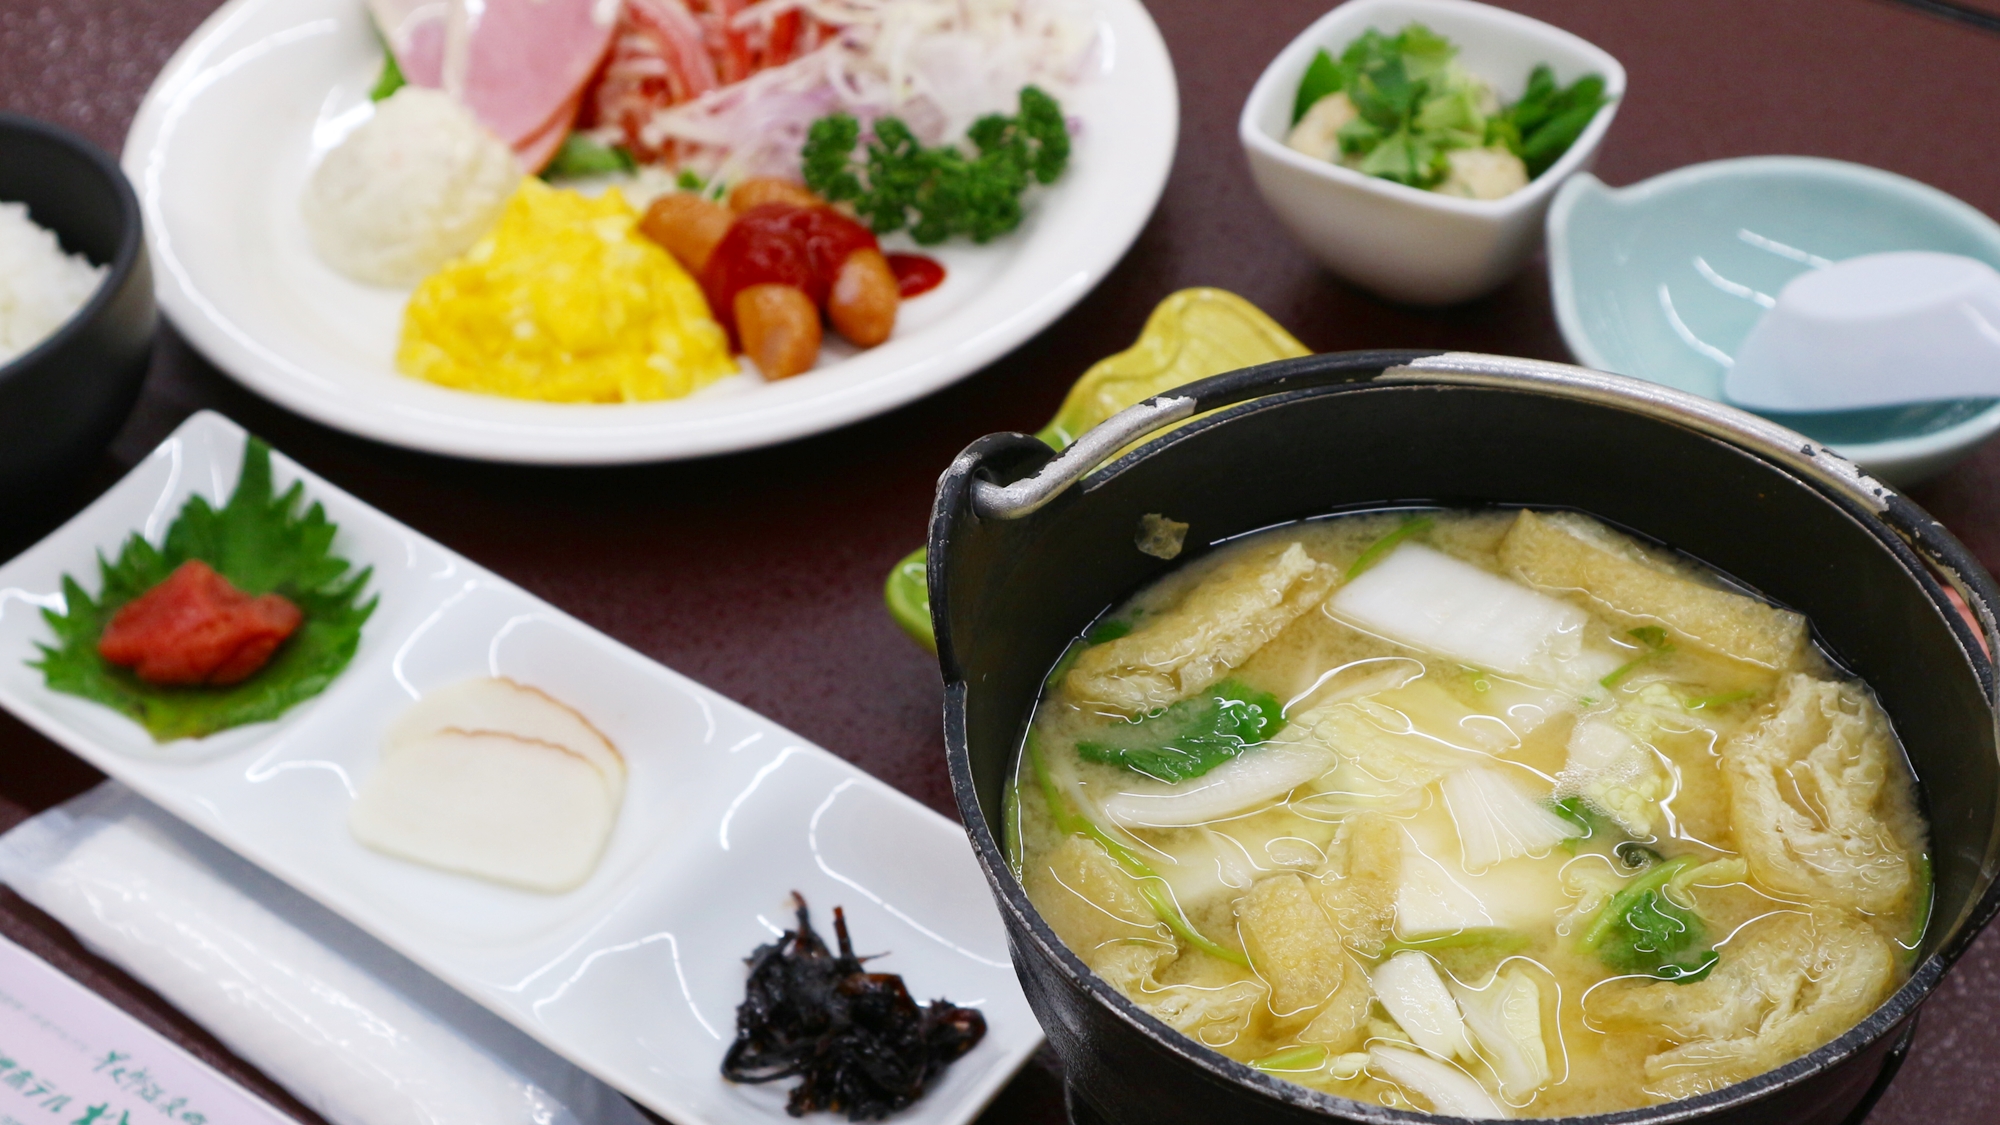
x: 760, y: 574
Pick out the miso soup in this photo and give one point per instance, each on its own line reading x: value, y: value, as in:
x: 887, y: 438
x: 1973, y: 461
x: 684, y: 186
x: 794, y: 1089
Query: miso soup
x: 1481, y: 813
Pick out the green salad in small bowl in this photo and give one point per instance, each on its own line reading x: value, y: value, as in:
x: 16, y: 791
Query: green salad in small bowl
x: 1402, y: 108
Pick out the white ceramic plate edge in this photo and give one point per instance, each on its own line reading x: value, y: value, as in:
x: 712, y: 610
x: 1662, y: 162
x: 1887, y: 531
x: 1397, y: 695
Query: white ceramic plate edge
x: 115, y: 765
x: 1137, y: 44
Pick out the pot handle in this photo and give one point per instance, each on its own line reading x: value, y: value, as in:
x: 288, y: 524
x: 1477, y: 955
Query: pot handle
x: 1097, y: 444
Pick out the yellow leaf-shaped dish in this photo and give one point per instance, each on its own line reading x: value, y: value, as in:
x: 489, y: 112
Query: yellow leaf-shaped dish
x: 1193, y: 334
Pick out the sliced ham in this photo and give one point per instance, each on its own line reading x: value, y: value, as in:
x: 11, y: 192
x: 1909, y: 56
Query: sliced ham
x: 520, y: 66
x: 535, y: 152
x: 527, y: 60
x: 415, y: 32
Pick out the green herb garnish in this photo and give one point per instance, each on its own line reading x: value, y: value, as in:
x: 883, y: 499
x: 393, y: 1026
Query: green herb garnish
x: 939, y: 192
x: 1110, y: 629
x: 261, y: 544
x: 1655, y: 640
x: 1548, y: 119
x: 1323, y: 76
x: 1151, y: 886
x: 1293, y: 1059
x: 1415, y: 525
x: 390, y: 80
x: 1583, y: 815
x: 1643, y: 931
x: 584, y: 155
x: 1416, y: 105
x: 1191, y: 737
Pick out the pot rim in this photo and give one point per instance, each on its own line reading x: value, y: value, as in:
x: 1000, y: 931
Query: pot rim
x: 1928, y: 552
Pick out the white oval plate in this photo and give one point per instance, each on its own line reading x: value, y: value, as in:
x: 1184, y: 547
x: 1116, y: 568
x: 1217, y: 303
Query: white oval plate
x: 636, y: 974
x: 223, y: 143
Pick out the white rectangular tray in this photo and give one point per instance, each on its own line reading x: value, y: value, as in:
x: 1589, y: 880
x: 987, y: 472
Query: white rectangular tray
x: 635, y: 976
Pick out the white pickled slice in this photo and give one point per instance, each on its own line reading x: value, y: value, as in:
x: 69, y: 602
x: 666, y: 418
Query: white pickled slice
x: 1498, y: 820
x: 1255, y: 777
x: 1506, y: 1018
x: 509, y: 809
x: 1429, y: 900
x: 1415, y: 997
x: 1451, y: 1091
x: 500, y: 705
x: 1611, y: 770
x: 1433, y: 602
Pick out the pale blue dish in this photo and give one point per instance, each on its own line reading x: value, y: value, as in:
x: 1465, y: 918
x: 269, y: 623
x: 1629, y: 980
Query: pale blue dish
x: 1662, y: 280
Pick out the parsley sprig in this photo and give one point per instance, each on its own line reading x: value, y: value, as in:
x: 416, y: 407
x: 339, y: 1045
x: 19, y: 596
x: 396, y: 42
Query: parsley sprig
x: 939, y: 192
x: 262, y: 544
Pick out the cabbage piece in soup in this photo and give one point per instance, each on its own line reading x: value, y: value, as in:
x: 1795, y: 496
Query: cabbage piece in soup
x: 1486, y: 813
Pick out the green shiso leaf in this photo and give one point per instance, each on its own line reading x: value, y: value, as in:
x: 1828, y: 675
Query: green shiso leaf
x: 263, y: 544
x: 1191, y: 737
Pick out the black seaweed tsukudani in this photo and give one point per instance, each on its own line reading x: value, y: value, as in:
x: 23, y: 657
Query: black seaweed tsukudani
x: 860, y: 1045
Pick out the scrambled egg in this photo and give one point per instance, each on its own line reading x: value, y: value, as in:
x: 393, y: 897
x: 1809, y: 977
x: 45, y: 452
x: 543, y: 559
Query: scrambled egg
x: 565, y: 301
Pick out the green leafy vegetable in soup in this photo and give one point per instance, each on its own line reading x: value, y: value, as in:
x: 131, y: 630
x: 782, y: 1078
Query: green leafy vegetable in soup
x: 1488, y: 814
x: 1400, y: 107
x: 1191, y: 737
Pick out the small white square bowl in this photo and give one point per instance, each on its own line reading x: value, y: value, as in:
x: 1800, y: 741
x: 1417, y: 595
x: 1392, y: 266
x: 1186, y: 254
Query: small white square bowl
x: 1409, y: 245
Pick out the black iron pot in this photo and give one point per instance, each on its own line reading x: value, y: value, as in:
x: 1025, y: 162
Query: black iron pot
x: 1026, y: 548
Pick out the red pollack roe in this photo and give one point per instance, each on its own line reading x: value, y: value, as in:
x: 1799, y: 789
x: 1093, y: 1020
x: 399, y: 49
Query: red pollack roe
x: 197, y: 628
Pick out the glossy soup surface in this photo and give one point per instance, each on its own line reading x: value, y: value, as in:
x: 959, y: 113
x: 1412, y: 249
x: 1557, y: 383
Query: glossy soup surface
x: 1486, y: 813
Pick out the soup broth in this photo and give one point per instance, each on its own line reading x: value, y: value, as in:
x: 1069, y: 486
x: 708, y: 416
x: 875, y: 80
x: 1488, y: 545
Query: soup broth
x: 1483, y: 813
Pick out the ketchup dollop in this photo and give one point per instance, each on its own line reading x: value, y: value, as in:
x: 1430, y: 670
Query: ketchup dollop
x: 778, y: 243
x: 915, y: 273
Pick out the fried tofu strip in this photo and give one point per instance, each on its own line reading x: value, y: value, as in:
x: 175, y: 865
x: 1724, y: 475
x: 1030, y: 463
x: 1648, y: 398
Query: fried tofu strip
x: 1219, y: 624
x: 1562, y: 551
x: 1786, y: 983
x: 1091, y: 903
x: 1292, y: 944
x: 1814, y: 794
x: 1356, y: 886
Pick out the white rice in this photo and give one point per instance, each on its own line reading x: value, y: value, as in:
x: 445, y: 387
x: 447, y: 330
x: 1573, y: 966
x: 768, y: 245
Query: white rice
x: 40, y: 286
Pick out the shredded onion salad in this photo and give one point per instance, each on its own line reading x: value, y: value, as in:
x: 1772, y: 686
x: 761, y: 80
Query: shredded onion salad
x: 727, y: 89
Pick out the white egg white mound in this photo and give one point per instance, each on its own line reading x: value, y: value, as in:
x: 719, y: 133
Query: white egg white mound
x: 495, y: 779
